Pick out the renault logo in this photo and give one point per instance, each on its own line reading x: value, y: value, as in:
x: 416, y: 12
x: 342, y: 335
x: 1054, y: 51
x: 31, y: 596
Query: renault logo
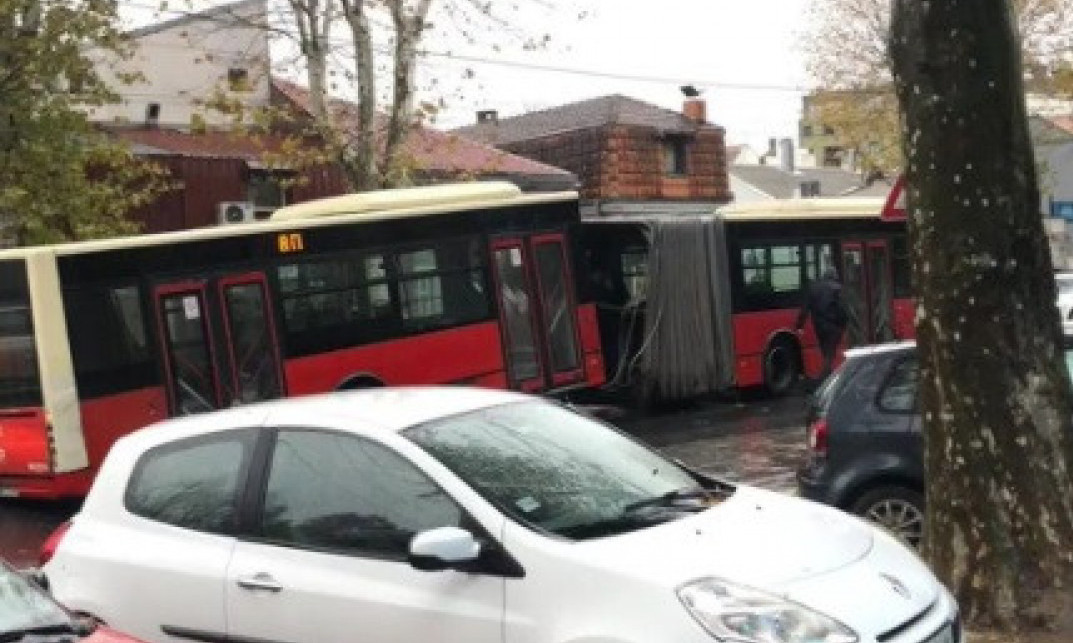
x: 898, y: 586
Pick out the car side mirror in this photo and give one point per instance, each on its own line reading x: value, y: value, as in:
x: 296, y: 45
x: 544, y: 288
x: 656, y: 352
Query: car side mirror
x: 443, y: 548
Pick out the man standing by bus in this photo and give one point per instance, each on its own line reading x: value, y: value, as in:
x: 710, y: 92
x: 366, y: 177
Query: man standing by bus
x: 823, y: 303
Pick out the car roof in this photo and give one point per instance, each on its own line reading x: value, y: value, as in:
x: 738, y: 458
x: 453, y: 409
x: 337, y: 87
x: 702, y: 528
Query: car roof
x: 370, y: 410
x: 880, y: 349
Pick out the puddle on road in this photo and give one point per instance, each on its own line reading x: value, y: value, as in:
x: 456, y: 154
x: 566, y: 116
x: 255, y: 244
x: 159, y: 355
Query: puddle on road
x: 753, y: 453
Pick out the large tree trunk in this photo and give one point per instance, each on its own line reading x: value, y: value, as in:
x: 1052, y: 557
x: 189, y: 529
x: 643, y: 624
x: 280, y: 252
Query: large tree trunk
x: 995, y: 396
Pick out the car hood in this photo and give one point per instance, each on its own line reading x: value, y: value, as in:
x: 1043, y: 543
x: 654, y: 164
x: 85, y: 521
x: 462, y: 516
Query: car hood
x: 755, y: 538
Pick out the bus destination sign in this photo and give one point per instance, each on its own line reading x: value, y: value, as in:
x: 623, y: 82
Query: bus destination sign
x: 290, y: 242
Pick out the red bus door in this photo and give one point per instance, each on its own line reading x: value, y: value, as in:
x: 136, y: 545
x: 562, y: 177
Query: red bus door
x: 867, y: 291
x: 537, y: 307
x: 219, y: 344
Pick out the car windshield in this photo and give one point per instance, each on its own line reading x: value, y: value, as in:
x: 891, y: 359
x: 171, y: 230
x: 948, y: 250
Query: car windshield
x: 558, y: 471
x: 1065, y: 285
x: 24, y: 607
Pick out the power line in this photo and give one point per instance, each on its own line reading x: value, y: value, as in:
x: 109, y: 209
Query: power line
x: 543, y: 67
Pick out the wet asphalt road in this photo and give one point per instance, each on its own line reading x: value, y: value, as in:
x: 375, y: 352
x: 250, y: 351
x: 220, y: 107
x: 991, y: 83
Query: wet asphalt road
x: 757, y: 441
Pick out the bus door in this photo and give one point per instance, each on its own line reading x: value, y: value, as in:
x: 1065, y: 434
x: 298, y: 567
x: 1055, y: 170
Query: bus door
x: 867, y: 292
x: 537, y: 307
x: 219, y: 342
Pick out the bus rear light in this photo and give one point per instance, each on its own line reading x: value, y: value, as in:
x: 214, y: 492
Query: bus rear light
x: 817, y: 437
x: 52, y: 543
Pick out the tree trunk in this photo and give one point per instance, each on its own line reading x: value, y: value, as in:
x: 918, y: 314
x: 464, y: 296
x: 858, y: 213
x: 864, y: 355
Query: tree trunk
x: 408, y: 30
x: 359, y: 159
x: 995, y: 395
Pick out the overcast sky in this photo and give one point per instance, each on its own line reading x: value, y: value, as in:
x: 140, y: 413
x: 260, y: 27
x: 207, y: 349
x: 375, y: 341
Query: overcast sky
x: 718, y: 45
x: 743, y: 55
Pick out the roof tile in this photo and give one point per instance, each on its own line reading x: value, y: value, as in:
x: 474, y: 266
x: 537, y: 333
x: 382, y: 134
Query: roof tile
x: 615, y: 109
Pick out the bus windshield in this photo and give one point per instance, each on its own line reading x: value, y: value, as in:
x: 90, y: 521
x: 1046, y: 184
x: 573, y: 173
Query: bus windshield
x: 19, y: 383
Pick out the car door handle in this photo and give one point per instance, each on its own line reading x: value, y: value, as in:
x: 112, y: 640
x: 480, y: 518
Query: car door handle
x: 262, y: 582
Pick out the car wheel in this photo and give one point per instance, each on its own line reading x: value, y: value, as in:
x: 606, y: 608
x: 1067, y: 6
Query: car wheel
x: 898, y: 510
x: 780, y: 367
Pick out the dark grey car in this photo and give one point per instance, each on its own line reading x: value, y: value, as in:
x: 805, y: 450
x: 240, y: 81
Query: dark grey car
x: 865, y: 450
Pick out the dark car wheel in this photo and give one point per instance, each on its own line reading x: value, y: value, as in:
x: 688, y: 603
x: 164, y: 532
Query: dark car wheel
x: 897, y: 509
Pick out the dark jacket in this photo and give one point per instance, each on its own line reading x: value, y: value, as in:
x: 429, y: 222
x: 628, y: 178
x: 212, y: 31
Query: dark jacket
x: 824, y: 304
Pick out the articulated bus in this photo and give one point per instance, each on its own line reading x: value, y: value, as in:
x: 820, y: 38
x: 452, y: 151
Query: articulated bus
x: 466, y: 284
x: 698, y: 304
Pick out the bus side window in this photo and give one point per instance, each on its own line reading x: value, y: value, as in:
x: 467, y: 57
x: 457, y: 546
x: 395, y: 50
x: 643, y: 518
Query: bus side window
x: 108, y: 336
x: 443, y: 286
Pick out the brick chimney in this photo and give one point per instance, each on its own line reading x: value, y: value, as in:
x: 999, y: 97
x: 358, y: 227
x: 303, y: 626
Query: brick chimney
x: 696, y: 110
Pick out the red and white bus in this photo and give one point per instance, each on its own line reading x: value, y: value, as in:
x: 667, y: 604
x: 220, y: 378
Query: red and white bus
x: 689, y: 305
x: 466, y: 284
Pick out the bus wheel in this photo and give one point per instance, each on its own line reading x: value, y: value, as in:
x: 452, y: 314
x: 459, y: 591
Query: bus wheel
x: 781, y: 366
x: 359, y: 382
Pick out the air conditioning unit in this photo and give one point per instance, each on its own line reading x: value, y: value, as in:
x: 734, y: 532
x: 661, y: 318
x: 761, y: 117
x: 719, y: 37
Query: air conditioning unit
x: 230, y: 212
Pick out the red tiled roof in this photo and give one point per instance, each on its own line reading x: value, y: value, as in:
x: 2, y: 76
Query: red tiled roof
x: 429, y: 150
x: 212, y: 144
x: 432, y: 149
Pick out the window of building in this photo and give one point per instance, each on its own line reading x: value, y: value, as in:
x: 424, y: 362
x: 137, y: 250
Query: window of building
x: 266, y: 189
x: 675, y: 156
x: 192, y: 483
x: 238, y: 79
x: 832, y: 157
x: 344, y: 493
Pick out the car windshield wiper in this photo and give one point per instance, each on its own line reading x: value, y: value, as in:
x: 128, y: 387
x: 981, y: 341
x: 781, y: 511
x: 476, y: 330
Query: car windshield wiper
x: 11, y: 636
x: 670, y: 499
x: 607, y: 527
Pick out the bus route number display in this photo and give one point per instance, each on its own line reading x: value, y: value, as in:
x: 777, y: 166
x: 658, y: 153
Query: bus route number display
x: 289, y: 242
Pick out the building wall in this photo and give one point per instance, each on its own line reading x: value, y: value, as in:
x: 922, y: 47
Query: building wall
x: 580, y: 152
x: 744, y: 192
x: 626, y: 162
x: 185, y: 64
x: 204, y: 183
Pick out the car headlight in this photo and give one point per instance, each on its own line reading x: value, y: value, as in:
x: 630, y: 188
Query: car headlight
x: 734, y: 613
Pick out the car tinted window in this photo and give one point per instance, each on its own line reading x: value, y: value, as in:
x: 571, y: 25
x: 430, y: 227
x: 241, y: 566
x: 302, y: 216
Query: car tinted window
x: 339, y: 492
x: 192, y: 483
x: 899, y: 394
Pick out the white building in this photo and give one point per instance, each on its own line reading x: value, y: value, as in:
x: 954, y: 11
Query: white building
x: 185, y: 61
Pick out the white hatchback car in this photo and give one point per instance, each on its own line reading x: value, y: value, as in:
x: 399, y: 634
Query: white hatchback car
x: 466, y: 516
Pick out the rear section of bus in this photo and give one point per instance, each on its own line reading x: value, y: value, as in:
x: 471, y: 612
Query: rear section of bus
x: 24, y: 440
x: 35, y: 377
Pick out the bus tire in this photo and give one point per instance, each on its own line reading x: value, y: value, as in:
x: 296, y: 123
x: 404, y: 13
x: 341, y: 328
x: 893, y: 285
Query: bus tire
x: 782, y: 364
x: 359, y: 382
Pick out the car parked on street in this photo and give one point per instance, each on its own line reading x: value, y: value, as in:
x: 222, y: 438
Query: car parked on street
x: 29, y: 615
x: 466, y: 516
x: 865, y: 447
